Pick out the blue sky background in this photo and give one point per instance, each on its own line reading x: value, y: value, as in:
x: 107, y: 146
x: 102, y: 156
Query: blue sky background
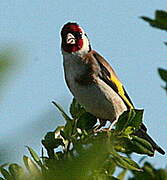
x: 31, y: 31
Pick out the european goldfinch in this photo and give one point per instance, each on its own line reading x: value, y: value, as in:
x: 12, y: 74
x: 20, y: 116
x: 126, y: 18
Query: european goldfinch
x: 91, y: 79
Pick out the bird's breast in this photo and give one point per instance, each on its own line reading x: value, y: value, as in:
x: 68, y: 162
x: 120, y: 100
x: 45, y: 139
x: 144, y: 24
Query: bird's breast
x: 97, y: 97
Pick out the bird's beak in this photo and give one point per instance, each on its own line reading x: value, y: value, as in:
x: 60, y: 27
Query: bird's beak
x: 70, y: 39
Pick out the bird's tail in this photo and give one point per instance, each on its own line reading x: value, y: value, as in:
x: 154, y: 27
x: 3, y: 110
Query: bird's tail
x: 142, y: 133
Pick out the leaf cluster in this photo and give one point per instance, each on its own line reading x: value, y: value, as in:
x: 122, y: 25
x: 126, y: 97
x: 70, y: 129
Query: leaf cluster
x: 80, y: 150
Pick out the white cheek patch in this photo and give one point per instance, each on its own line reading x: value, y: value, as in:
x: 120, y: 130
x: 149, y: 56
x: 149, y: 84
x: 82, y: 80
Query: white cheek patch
x: 70, y: 39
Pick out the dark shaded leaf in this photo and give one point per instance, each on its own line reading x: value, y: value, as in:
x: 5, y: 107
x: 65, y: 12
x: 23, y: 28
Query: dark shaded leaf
x: 160, y: 20
x: 53, y: 140
x: 163, y: 74
x: 76, y: 109
x: 149, y: 20
x: 161, y: 16
x: 68, y: 129
x: 86, y: 121
x: 63, y: 135
x: 50, y: 142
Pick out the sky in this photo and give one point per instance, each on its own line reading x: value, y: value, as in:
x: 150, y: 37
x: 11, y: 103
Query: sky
x: 30, y: 31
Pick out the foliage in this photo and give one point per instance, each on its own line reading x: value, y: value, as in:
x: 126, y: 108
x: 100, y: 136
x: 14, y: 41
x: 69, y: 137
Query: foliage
x: 159, y: 22
x: 163, y: 75
x: 149, y: 173
x: 79, y: 150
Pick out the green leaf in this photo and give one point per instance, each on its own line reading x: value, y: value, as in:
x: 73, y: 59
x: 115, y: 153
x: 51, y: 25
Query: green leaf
x: 137, y: 120
x: 66, y: 117
x: 109, y: 167
x: 163, y: 74
x: 129, y: 130
x: 129, y: 121
x: 5, y: 174
x: 86, y: 121
x: 126, y: 163
x: 124, y: 120
x: 25, y: 160
x: 50, y: 142
x: 123, y: 144
x: 161, y: 16
x: 142, y: 146
x: 76, y: 109
x: 53, y: 140
x: 16, y: 171
x: 160, y: 20
x: 147, y: 19
x: 31, y: 166
x: 35, y: 156
x: 133, y: 144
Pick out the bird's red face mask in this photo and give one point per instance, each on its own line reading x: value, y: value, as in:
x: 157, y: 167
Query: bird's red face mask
x: 71, y: 37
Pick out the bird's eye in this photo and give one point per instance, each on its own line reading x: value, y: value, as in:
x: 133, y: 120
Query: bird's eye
x: 78, y: 35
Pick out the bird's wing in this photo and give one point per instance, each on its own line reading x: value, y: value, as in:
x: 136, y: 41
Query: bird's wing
x: 108, y: 75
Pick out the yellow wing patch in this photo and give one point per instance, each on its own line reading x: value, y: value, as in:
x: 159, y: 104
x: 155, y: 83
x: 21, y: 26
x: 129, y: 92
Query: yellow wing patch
x: 121, y: 91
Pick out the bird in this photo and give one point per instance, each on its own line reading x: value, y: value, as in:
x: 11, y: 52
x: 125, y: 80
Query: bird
x: 92, y: 81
